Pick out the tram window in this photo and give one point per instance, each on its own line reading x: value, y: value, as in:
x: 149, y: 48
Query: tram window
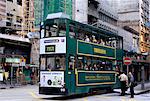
x: 53, y: 31
x: 50, y: 30
x: 42, y: 64
x: 62, y: 29
x: 50, y: 63
x: 71, y: 31
x: 62, y: 33
x: 56, y: 63
x: 60, y: 63
x: 80, y: 63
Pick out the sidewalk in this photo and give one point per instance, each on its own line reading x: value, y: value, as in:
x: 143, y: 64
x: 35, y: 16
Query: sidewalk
x: 6, y: 86
x: 137, y: 89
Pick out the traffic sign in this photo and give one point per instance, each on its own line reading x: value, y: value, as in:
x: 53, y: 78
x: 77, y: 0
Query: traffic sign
x: 127, y: 61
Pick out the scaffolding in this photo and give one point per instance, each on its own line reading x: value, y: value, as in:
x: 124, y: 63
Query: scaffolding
x: 26, y: 19
x: 28, y: 16
x: 55, y: 6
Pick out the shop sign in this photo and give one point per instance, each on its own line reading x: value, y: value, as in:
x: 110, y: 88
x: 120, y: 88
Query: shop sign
x: 12, y: 60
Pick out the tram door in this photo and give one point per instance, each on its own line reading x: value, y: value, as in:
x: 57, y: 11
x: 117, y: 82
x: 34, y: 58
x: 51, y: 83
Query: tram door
x: 71, y: 77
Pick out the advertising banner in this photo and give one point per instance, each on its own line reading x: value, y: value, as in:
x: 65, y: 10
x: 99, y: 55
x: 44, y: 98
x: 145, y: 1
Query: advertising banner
x: 95, y: 78
x: 53, y: 45
x: 96, y: 50
x: 51, y: 79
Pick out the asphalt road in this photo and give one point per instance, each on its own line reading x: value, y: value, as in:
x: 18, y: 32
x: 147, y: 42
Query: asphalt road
x: 30, y: 93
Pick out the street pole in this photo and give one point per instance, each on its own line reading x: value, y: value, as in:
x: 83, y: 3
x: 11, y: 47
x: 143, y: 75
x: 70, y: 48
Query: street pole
x: 143, y: 79
x: 11, y: 71
x: 127, y: 70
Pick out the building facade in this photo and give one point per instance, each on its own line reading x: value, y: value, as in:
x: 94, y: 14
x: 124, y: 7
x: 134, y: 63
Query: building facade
x: 127, y: 11
x: 15, y: 24
x: 2, y: 12
x: 134, y: 15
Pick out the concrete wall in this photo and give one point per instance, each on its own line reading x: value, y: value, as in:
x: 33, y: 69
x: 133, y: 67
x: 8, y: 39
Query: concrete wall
x: 15, y: 9
x: 128, y: 40
x: 2, y: 13
x: 81, y: 10
x: 129, y: 16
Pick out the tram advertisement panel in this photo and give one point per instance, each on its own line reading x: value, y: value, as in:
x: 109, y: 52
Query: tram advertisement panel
x: 97, y: 50
x: 51, y: 79
x: 53, y: 45
x: 95, y: 78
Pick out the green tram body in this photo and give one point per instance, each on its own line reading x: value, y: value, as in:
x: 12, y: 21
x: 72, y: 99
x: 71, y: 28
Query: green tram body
x: 78, y: 81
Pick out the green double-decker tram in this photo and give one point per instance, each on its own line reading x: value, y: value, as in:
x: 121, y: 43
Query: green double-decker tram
x: 77, y: 58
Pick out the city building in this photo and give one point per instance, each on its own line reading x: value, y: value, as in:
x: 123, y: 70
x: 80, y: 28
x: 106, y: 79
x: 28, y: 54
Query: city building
x: 16, y: 18
x: 134, y: 15
x: 2, y: 11
x: 127, y: 11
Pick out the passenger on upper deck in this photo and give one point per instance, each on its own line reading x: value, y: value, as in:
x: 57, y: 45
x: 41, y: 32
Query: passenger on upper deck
x: 102, y: 42
x: 87, y: 39
x: 94, y: 39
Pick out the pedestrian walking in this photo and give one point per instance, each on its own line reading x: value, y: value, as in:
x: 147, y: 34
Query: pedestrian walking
x: 123, y: 81
x: 131, y: 84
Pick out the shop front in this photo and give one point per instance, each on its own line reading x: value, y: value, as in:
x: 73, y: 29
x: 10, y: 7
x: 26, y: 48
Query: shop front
x: 13, y: 57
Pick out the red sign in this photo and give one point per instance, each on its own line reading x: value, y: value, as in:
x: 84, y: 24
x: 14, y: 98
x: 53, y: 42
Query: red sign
x: 127, y: 61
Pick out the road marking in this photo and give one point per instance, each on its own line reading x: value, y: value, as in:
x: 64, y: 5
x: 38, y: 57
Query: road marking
x: 34, y: 95
x: 103, y: 97
x: 85, y: 99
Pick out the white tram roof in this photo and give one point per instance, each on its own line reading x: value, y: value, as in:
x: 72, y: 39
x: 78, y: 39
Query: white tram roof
x: 57, y: 15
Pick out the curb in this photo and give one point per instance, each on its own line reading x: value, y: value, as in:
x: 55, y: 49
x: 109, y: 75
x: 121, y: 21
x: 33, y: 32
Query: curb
x: 142, y: 92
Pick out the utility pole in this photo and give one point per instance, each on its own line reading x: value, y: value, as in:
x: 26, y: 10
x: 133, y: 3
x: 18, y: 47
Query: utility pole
x: 143, y: 79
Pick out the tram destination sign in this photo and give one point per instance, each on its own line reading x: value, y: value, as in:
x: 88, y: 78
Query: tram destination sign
x: 50, y: 48
x: 53, y: 45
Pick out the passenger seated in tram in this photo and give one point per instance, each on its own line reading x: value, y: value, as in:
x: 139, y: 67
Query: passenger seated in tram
x: 98, y: 66
x: 58, y: 66
x: 86, y: 67
x: 90, y: 67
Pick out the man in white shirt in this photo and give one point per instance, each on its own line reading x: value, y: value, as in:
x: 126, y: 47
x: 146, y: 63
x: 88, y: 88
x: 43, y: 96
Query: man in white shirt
x: 123, y: 81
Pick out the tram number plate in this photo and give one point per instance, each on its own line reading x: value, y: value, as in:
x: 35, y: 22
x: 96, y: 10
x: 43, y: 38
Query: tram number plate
x: 50, y: 48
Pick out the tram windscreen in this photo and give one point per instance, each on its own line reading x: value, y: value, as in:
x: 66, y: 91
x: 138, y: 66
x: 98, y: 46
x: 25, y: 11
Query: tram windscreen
x: 52, y: 63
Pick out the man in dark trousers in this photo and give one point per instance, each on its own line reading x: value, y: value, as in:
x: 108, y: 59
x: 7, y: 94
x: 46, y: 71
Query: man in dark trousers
x: 131, y: 84
x: 123, y: 81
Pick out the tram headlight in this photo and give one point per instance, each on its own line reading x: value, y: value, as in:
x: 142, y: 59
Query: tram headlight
x: 62, y: 89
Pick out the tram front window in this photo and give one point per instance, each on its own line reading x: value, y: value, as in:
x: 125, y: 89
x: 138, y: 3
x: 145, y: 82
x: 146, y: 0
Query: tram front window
x: 54, y: 30
x: 53, y: 63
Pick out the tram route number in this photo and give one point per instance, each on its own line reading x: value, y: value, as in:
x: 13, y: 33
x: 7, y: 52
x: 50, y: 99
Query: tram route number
x: 50, y: 48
